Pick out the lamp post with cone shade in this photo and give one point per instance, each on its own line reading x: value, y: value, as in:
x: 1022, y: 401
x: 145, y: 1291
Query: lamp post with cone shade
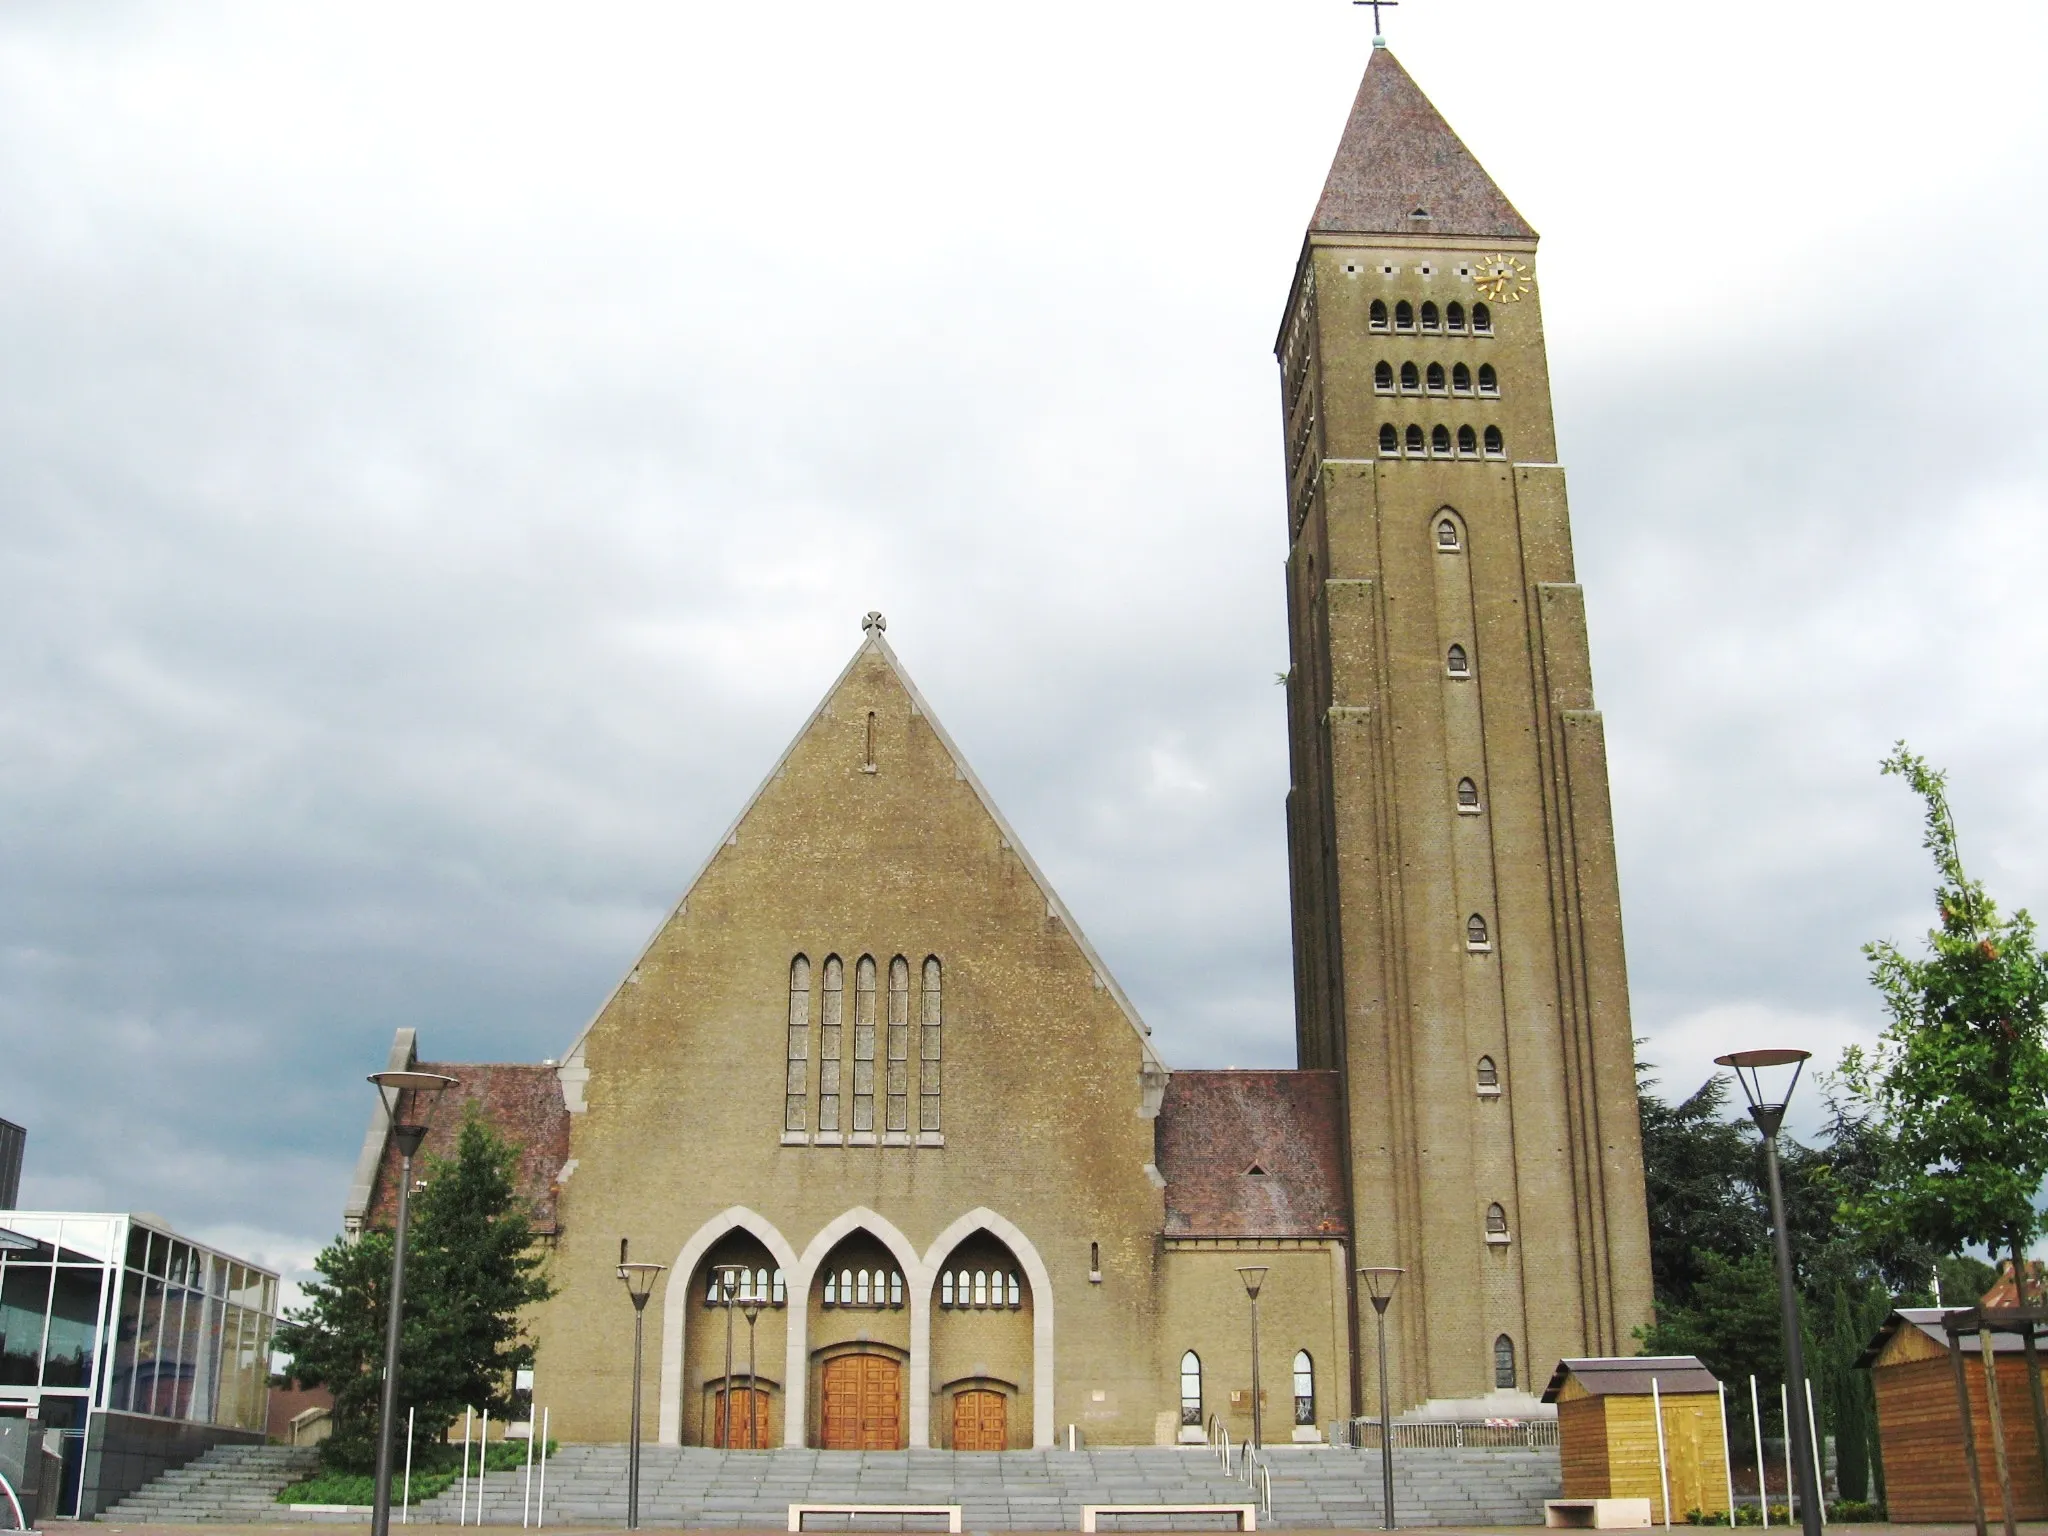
x: 639, y: 1281
x: 1379, y: 1285
x: 407, y: 1089
x: 728, y: 1291
x: 1767, y: 1103
x: 752, y: 1307
x: 1254, y: 1276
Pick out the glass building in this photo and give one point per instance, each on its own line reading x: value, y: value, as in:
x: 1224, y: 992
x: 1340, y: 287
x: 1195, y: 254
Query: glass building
x: 143, y: 1348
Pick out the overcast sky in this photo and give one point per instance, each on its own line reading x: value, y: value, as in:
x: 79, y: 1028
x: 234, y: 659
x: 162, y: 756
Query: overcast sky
x: 446, y: 451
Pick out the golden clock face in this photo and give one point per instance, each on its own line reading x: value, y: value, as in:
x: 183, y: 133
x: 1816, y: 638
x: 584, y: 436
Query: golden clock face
x: 1504, y: 279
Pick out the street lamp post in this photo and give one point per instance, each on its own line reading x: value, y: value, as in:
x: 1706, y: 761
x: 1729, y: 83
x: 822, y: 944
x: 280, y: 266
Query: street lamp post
x: 752, y: 1307
x: 1254, y: 1276
x: 639, y: 1279
x: 392, y: 1087
x: 1767, y: 1109
x: 728, y: 1288
x: 1379, y: 1284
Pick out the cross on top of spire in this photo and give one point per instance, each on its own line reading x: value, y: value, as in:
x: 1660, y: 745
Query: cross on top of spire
x: 1379, y: 39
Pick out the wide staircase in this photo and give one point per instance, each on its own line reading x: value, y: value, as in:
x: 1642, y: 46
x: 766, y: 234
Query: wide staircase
x: 1013, y: 1490
x: 232, y: 1484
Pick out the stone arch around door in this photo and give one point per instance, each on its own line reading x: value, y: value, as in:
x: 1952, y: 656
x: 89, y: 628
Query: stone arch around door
x: 982, y: 1219
x: 805, y: 1278
x: 676, y: 1316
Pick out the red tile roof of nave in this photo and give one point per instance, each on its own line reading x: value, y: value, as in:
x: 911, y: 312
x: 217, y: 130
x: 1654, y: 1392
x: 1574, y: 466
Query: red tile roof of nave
x: 1398, y: 155
x: 522, y: 1103
x: 1215, y: 1127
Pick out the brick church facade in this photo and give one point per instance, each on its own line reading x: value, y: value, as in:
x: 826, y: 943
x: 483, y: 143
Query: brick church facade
x: 871, y: 1060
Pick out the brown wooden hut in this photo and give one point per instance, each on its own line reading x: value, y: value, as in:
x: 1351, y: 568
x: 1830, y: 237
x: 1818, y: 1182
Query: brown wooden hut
x: 1920, y: 1431
x: 1607, y: 1431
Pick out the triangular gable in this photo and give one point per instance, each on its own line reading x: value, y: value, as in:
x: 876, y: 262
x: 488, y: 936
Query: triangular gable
x: 572, y: 1070
x: 1398, y: 158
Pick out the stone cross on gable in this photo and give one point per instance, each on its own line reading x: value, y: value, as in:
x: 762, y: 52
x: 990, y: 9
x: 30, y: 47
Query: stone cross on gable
x: 873, y: 624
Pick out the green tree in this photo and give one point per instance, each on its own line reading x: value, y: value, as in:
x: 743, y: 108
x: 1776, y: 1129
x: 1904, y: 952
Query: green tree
x: 1699, y: 1168
x: 1960, y: 1075
x: 471, y: 1270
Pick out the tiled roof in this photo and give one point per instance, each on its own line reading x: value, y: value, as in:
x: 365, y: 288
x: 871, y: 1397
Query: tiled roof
x: 522, y: 1103
x: 1215, y: 1128
x: 1398, y: 156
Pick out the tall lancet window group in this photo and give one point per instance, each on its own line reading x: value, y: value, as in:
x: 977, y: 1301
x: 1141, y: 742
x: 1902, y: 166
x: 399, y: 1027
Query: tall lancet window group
x: 796, y: 1101
x: 864, y: 1046
x: 831, y: 1020
x: 898, y: 1046
x: 929, y: 1048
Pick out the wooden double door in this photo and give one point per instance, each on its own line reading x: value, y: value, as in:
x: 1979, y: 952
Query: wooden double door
x: 744, y: 1431
x: 981, y: 1421
x: 861, y: 1406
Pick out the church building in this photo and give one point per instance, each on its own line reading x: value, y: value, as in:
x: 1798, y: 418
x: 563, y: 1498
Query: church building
x: 921, y: 1173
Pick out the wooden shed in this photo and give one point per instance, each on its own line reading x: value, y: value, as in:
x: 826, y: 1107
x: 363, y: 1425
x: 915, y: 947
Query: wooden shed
x: 1607, y: 1431
x: 1920, y: 1430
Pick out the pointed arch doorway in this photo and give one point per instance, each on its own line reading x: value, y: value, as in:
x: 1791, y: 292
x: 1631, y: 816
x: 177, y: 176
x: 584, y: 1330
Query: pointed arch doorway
x: 860, y: 1402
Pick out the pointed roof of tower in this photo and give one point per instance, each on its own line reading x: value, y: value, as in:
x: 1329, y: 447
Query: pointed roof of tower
x: 1401, y: 170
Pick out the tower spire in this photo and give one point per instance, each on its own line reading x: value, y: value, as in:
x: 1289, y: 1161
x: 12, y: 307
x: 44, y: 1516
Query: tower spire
x: 1401, y: 170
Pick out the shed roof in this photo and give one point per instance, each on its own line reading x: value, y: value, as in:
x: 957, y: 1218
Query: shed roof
x: 1632, y: 1376
x: 1927, y: 1321
x: 1252, y: 1154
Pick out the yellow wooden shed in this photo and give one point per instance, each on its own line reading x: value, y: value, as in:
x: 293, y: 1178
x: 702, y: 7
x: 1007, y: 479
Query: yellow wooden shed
x: 1607, y: 1432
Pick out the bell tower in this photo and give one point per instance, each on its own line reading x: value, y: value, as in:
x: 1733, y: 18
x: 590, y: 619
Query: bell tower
x: 1457, y: 921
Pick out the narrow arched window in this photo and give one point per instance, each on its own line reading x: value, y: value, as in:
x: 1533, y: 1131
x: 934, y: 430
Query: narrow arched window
x: 864, y: 1045
x: 1429, y: 317
x: 895, y: 1287
x: 930, y: 1046
x: 711, y: 1289
x: 946, y: 1289
x: 1016, y: 1291
x: 1454, y: 316
x: 1440, y: 442
x: 831, y: 1289
x: 831, y: 1018
x: 1417, y: 444
x: 1489, y: 1074
x: 1304, y: 1388
x: 1447, y: 534
x: 1191, y: 1390
x: 1496, y: 446
x: 897, y: 1046
x: 1411, y: 378
x: 1435, y: 378
x: 1496, y: 1220
x: 1468, y: 795
x: 1489, y: 381
x: 1461, y: 380
x: 1482, y: 319
x: 981, y: 1287
x: 1404, y: 316
x: 1468, y: 443
x: 1456, y: 662
x: 780, y: 1295
x: 1095, y: 1261
x: 1475, y: 932
x: 1504, y: 1364
x: 868, y: 761
x: 1390, y: 439
x: 1379, y: 314
x: 860, y: 1288
x: 1383, y: 377
x: 796, y: 1090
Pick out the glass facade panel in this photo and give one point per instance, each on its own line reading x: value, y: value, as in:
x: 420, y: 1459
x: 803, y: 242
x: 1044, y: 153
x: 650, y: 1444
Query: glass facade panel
x: 87, y: 1240
x: 149, y: 1344
x: 45, y: 1234
x: 74, y: 1328
x: 24, y: 1299
x: 120, y: 1391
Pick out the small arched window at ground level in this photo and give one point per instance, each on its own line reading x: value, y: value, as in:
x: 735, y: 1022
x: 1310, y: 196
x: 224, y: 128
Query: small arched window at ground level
x: 1489, y: 1074
x: 1440, y: 442
x: 1475, y: 932
x: 1456, y: 662
x: 1504, y: 1363
x: 1417, y: 443
x: 1191, y: 1390
x: 1496, y: 1223
x: 1496, y: 445
x: 1468, y: 795
x: 1468, y: 443
x: 1447, y: 534
x: 1304, y: 1388
x: 1390, y: 438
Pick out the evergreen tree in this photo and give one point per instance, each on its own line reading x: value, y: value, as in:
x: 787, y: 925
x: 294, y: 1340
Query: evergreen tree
x: 470, y: 1272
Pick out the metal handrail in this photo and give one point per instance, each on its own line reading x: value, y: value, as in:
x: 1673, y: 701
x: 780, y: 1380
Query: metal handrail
x: 20, y: 1520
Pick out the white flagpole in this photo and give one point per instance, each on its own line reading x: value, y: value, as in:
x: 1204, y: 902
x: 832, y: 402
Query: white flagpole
x: 1813, y: 1438
x: 1727, y: 1463
x: 405, y: 1510
x: 1763, y: 1481
x: 1663, y: 1466
x: 1785, y: 1408
x: 540, y: 1506
x: 462, y: 1493
x: 526, y: 1498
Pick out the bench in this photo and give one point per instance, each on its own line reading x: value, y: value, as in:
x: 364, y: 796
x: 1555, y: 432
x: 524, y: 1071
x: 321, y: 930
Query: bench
x: 950, y: 1511
x: 1597, y: 1514
x: 1247, y: 1514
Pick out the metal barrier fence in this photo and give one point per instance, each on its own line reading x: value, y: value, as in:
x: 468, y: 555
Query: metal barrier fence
x: 1449, y: 1434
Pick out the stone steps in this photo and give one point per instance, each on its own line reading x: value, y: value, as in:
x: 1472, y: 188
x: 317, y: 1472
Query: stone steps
x: 236, y: 1484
